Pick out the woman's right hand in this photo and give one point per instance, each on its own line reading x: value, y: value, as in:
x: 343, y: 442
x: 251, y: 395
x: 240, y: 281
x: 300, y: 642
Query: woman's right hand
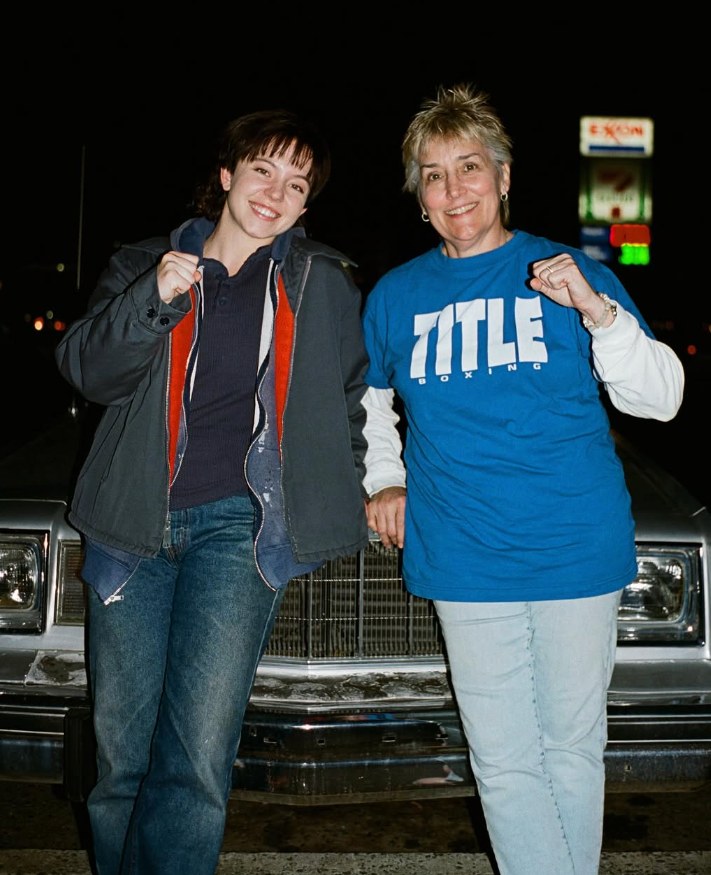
x: 177, y: 271
x: 386, y: 515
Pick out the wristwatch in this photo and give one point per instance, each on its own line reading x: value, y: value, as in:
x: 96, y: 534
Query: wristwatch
x: 610, y: 307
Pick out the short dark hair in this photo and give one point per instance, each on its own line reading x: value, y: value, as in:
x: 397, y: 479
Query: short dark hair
x: 269, y: 132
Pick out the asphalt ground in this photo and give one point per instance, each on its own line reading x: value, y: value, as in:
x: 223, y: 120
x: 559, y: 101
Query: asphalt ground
x: 41, y: 833
x: 75, y: 863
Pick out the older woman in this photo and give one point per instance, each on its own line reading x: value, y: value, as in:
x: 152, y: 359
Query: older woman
x: 516, y: 520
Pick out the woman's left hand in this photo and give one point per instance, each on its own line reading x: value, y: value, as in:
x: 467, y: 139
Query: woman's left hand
x: 561, y: 280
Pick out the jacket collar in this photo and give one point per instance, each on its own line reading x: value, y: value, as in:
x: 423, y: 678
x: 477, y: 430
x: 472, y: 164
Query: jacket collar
x: 191, y: 236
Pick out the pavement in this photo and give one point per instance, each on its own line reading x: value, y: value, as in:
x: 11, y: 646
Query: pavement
x: 75, y: 863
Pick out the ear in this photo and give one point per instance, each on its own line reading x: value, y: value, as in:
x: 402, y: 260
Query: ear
x: 225, y: 178
x: 505, y: 177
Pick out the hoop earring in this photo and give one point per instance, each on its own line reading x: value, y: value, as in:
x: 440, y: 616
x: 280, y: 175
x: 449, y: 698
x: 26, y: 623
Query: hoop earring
x: 504, y: 197
x: 424, y: 216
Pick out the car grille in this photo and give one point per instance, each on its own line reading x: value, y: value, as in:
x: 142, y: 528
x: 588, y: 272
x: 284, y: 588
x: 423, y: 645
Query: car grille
x: 354, y: 607
x: 70, y: 589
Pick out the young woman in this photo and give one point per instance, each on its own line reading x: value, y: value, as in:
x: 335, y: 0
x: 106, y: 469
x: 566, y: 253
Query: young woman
x: 229, y: 459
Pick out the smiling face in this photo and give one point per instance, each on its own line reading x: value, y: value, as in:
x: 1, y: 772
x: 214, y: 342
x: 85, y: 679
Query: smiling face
x: 461, y: 190
x: 266, y: 196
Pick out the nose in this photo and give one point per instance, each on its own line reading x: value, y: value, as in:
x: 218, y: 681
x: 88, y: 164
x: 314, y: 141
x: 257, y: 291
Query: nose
x: 276, y: 190
x: 453, y: 184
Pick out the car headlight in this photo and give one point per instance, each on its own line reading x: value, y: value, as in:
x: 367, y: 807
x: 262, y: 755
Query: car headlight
x: 662, y: 605
x: 22, y: 575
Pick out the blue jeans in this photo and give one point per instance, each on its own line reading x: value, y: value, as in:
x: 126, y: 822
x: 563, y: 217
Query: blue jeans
x: 531, y: 683
x: 171, y: 666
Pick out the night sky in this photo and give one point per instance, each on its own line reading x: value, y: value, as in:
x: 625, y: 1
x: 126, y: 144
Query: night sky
x: 140, y: 111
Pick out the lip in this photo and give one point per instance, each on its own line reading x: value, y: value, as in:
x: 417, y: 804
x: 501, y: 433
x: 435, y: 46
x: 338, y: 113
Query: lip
x: 264, y: 212
x: 460, y: 211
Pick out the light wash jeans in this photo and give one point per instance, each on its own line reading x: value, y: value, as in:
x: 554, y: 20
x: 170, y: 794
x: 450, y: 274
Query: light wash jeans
x: 531, y: 682
x: 171, y: 670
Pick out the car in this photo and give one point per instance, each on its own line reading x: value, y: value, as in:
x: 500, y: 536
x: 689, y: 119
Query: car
x: 352, y: 701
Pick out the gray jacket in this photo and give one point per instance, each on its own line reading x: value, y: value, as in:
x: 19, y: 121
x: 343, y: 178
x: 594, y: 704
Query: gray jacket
x: 126, y: 355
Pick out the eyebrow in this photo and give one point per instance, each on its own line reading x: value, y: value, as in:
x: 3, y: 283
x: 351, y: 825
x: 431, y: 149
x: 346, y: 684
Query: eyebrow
x: 270, y: 160
x: 458, y: 158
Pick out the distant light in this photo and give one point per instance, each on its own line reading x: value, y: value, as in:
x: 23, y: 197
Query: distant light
x: 630, y: 233
x: 612, y: 135
x: 633, y: 242
x: 58, y: 325
x: 663, y: 325
x: 38, y: 323
x: 691, y: 349
x: 60, y: 268
x: 633, y: 253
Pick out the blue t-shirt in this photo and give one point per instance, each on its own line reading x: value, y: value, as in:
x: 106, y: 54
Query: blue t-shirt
x: 514, y: 489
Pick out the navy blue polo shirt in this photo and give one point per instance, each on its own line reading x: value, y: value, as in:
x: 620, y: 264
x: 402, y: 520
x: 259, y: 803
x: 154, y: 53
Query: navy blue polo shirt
x: 221, y: 414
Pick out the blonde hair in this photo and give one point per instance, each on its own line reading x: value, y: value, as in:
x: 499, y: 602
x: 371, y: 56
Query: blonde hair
x: 458, y: 112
